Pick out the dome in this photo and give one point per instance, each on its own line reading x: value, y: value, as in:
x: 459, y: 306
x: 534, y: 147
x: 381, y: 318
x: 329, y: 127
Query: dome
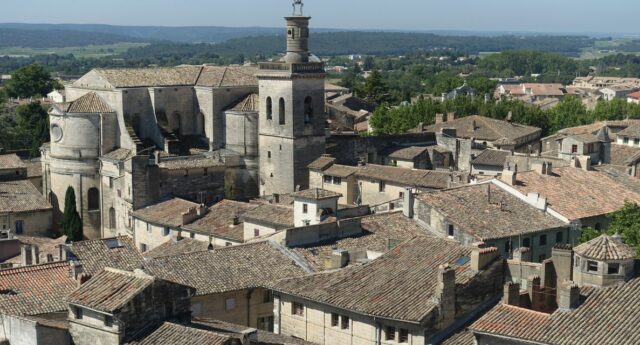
x: 605, y: 248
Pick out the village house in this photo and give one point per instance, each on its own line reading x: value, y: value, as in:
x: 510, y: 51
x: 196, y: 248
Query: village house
x: 629, y: 136
x: 409, y: 295
x: 531, y: 91
x: 489, y: 162
x: 598, y: 82
x: 491, y: 214
x: 346, y: 111
x: 412, y: 157
x: 92, y: 256
x: 634, y: 97
x: 618, y: 91
x: 12, y: 167
x: 23, y: 210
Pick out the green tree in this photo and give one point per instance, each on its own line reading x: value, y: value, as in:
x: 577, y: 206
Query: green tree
x: 625, y: 221
x: 375, y: 88
x: 32, y: 122
x: 32, y: 80
x: 71, y: 222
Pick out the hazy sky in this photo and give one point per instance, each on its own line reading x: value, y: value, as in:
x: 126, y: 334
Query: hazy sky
x: 486, y: 15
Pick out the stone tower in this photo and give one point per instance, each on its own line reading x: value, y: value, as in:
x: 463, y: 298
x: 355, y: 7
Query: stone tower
x: 291, y: 124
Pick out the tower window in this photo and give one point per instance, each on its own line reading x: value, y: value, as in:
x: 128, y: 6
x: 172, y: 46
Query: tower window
x: 93, y: 199
x: 282, y: 111
x: 269, y: 108
x: 308, y: 110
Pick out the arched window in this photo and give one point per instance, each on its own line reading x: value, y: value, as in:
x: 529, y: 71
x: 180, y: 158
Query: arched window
x: 281, y: 111
x: 308, y: 110
x: 112, y: 218
x: 93, y: 199
x: 269, y: 108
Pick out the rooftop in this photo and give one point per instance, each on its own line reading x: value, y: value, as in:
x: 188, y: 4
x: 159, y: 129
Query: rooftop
x: 118, y: 154
x: 576, y: 193
x: 632, y: 131
x: 172, y: 248
x: 191, y: 162
x: 227, y: 269
x: 495, y: 158
x: 607, y: 316
x: 90, y: 103
x: 405, y: 153
x: 624, y: 155
x: 166, y: 213
x: 315, y: 194
x: 11, y: 161
x: 38, y: 289
x: 262, y: 337
x: 322, y: 163
x: 219, y: 221
x: 21, y: 196
x: 486, y: 129
x: 272, y: 214
x: 169, y: 333
x: 404, y: 176
x: 400, y: 285
x: 488, y: 212
x: 605, y: 248
x: 118, y: 253
x: 251, y: 103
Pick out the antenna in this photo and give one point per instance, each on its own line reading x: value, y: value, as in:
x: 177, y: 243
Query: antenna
x: 297, y: 7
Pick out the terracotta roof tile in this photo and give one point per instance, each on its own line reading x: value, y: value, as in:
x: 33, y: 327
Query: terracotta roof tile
x: 315, y: 194
x: 21, y: 196
x: 89, y: 103
x: 176, y: 334
x: 251, y: 103
x: 404, y: 176
x: 219, y: 221
x: 166, y: 213
x: 191, y: 162
x: 145, y: 77
x: 486, y: 129
x: 173, y: 248
x: 118, y: 252
x: 11, y: 161
x: 261, y: 337
x: 322, y: 163
x: 489, y: 157
x: 407, y: 153
x: 604, y: 248
x: 223, y: 76
x: 632, y: 131
x: 276, y: 215
x: 118, y: 154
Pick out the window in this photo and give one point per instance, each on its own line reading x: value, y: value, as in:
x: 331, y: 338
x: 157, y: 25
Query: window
x: 229, y: 304
x: 108, y: 321
x: 403, y: 337
x: 401, y: 195
x: 577, y: 262
x: 636, y: 142
x: 598, y: 226
x: 613, y: 268
x: 281, y: 111
x: 526, y: 242
x: 267, y: 297
x: 625, y: 140
x: 192, y: 235
x: 592, y: 266
x: 308, y: 110
x: 143, y: 247
x: 78, y: 314
x: 390, y: 333
x: 344, y: 322
x: 543, y: 240
x: 93, y: 197
x: 256, y: 232
x: 148, y: 228
x: 507, y: 246
x: 112, y: 218
x: 165, y: 231
x: 269, y: 154
x: 327, y: 179
x: 337, y: 180
x: 559, y: 238
x: 305, y: 208
x: 382, y: 186
x: 574, y: 148
x: 19, y: 227
x: 297, y: 309
x: 269, y: 108
x: 335, y: 319
x: 186, y: 173
x: 205, y: 172
x: 450, y: 230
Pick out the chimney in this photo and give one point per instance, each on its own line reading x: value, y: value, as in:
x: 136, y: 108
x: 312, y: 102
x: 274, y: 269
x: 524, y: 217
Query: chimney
x: 511, y: 294
x: 62, y: 252
x: 510, y: 175
x: 236, y: 220
x: 407, y: 203
x: 439, y: 118
x: 522, y: 254
x: 202, y: 210
x: 535, y: 293
x: 451, y: 116
x: 568, y: 296
x: 339, y: 259
x: 82, y: 278
x: 562, y: 257
x: 510, y: 117
x: 76, y: 269
x: 446, y: 293
x: 482, y: 257
x: 35, y: 254
x: 26, y: 256
x: 585, y: 162
x: 537, y: 200
x: 542, y: 168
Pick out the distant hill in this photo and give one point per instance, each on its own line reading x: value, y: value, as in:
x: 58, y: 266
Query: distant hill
x: 58, y: 38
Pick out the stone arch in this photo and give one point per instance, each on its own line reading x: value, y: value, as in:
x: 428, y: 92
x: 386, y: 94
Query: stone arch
x: 282, y: 109
x: 93, y: 199
x: 269, y: 108
x: 308, y: 109
x: 112, y: 218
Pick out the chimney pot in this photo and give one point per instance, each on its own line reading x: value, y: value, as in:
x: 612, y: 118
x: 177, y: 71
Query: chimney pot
x: 568, y: 296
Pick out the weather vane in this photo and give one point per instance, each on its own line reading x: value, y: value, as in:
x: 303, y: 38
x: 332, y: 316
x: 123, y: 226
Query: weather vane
x: 297, y: 7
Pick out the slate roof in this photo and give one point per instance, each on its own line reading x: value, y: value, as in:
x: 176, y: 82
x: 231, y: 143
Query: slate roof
x: 110, y: 290
x: 404, y: 176
x: 219, y: 220
x: 172, y: 248
x: 21, y: 196
x: 90, y: 103
x: 37, y: 289
x: 608, y: 316
x: 382, y: 232
x: 95, y: 255
x: 632, y: 131
x: 322, y: 163
x: 169, y: 333
x: 190, y: 163
x: 405, y: 153
x: 315, y: 194
x: 605, y: 248
x: 227, y: 269
x: 276, y: 215
x: 251, y: 103
x: 494, y: 158
x: 166, y: 213
x: 502, y: 215
x: 576, y: 193
x: 400, y: 285
x: 11, y: 161
x: 487, y: 129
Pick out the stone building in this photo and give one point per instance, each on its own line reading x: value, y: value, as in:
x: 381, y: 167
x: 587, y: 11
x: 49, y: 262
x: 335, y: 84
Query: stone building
x: 23, y: 210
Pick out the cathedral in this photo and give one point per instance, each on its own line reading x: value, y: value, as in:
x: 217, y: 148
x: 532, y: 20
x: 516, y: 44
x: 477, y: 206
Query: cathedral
x: 126, y: 138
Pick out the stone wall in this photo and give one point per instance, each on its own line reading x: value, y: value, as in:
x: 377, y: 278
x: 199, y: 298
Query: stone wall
x: 248, y: 306
x: 349, y: 149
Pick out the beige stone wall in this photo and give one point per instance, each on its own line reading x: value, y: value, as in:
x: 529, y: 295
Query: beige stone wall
x: 249, y: 230
x: 371, y: 194
x: 253, y: 302
x: 149, y: 234
x: 36, y: 223
x: 347, y: 187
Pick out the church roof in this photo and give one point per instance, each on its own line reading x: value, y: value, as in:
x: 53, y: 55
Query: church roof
x: 90, y: 103
x: 605, y: 248
x: 250, y: 103
x: 223, y: 76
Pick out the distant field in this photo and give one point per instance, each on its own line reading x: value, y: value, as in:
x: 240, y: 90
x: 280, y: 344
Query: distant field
x: 601, y: 49
x: 91, y: 51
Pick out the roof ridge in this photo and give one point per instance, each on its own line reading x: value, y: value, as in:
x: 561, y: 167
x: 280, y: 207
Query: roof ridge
x: 30, y: 268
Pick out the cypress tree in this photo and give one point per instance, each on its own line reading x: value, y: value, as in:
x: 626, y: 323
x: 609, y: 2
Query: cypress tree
x: 71, y: 222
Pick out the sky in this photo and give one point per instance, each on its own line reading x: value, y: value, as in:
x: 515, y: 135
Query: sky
x: 590, y: 16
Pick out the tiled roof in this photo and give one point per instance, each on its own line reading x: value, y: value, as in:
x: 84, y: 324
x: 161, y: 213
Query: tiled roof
x: 496, y: 158
x: 382, y: 232
x: 400, y: 285
x: 190, y: 163
x: 341, y: 170
x: 223, y: 76
x: 632, y: 131
x: 167, y: 213
x: 539, y: 89
x: 37, y: 289
x: 461, y: 337
x: 586, y: 138
x: 576, y: 193
x: 219, y: 220
x: 145, y: 77
x: 45, y: 246
x: 21, y: 196
x: 118, y: 154
x: 176, y: 334
x: 280, y: 216
x: 251, y: 103
x: 321, y: 163
x: 315, y: 194
x: 487, y: 216
x: 11, y: 161
x: 261, y: 337
x: 624, y: 155
x: 89, y: 103
x: 172, y: 248
x: 119, y: 253
x: 34, y: 168
x: 635, y: 95
x: 604, y: 248
x: 110, y: 290
x: 407, y: 153
x: 486, y: 129
x: 404, y: 176
x: 608, y: 316
x: 227, y: 269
